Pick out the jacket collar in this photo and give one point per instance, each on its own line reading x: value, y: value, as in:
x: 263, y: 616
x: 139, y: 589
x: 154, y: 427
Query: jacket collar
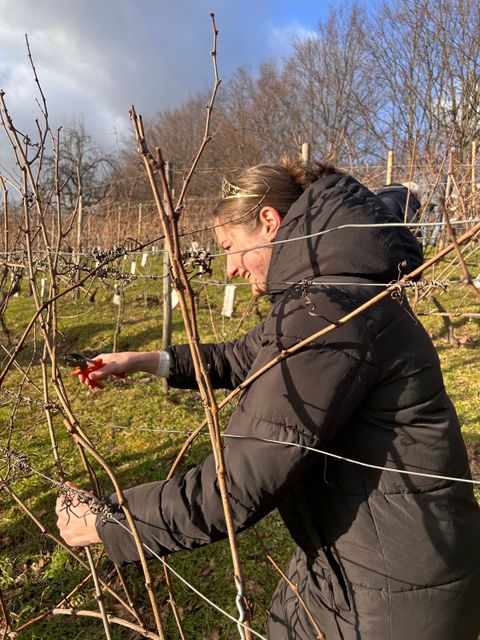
x: 310, y: 244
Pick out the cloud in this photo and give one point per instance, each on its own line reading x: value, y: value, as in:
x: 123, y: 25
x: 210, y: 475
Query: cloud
x: 282, y: 37
x: 97, y: 58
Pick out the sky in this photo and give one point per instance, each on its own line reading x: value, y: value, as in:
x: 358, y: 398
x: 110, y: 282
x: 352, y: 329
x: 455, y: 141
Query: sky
x: 95, y: 58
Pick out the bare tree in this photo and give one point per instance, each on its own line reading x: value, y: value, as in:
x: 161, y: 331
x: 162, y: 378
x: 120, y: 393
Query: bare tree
x: 332, y: 79
x: 83, y: 169
x: 428, y: 54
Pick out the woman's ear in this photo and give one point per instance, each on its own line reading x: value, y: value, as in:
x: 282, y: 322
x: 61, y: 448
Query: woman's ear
x: 270, y: 220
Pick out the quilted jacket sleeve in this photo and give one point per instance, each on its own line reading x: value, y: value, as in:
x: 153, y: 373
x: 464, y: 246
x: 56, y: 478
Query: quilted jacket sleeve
x: 228, y: 363
x: 300, y: 402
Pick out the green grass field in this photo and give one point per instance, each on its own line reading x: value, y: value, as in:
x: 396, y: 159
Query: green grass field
x: 35, y: 574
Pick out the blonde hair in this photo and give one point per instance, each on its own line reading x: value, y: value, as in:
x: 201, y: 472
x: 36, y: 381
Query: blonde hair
x: 266, y: 185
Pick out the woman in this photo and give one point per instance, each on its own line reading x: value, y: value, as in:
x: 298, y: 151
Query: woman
x: 381, y: 555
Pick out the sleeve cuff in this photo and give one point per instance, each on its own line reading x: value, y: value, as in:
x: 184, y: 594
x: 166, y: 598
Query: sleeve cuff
x: 163, y: 370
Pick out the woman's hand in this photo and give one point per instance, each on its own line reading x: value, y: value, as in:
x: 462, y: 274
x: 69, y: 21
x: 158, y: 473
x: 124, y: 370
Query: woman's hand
x: 75, y: 520
x: 119, y: 364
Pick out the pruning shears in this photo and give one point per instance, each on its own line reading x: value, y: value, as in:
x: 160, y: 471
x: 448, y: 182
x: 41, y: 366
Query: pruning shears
x: 84, y: 366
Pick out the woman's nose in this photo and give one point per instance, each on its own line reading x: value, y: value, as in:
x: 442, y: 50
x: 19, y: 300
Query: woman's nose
x: 232, y: 268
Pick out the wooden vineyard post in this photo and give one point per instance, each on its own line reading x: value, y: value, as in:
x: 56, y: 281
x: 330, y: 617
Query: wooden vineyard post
x: 474, y: 175
x: 306, y: 152
x: 388, y: 180
x: 139, y: 223
x: 76, y: 294
x: 5, y: 217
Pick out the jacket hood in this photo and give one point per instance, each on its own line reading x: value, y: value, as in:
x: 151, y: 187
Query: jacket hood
x: 379, y: 254
x: 400, y: 201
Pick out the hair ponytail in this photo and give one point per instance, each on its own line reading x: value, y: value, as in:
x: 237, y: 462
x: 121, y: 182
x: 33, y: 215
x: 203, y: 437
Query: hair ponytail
x: 264, y: 185
x: 304, y: 174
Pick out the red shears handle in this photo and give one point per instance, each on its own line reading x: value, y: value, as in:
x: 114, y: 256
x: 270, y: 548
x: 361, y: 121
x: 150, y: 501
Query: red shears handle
x: 93, y: 365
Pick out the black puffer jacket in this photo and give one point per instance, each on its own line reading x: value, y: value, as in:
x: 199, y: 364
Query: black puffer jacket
x: 381, y: 555
x: 402, y: 202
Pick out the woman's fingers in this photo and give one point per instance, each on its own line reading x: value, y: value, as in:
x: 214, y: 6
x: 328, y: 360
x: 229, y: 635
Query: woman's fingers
x: 75, y: 520
x: 108, y: 364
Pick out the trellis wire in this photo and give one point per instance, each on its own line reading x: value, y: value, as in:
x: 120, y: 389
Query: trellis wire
x: 339, y: 228
x: 415, y: 225
x: 357, y: 462
x: 21, y: 462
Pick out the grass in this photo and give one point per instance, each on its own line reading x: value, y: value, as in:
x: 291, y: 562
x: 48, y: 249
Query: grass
x: 35, y: 574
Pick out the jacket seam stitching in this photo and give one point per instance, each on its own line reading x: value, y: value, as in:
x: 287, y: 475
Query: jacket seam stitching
x: 413, y: 588
x: 384, y: 559
x: 283, y: 425
x: 326, y: 347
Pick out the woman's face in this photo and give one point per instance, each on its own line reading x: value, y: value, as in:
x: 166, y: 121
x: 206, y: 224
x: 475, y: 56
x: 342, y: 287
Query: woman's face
x: 244, y: 261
